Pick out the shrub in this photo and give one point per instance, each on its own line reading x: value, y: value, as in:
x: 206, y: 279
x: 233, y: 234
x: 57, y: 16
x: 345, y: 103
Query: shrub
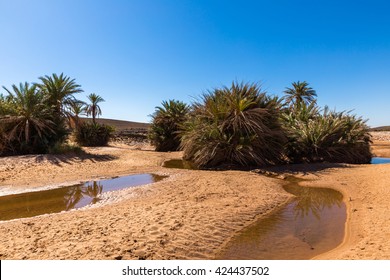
x: 328, y: 136
x: 166, y: 125
x: 236, y: 125
x: 93, y: 134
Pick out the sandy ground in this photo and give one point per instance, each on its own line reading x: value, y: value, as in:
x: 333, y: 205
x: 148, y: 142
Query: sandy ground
x: 189, y: 215
x: 186, y: 216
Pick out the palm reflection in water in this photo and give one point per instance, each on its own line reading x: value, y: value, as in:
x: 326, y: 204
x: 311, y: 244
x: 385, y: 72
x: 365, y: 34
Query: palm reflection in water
x: 313, y: 200
x: 311, y: 223
x: 89, y: 191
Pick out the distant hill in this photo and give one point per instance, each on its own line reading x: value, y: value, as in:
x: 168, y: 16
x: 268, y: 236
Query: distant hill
x: 380, y: 128
x: 121, y: 125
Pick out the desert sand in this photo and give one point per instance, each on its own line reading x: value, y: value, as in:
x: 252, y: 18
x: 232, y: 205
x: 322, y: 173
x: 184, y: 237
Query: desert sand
x: 189, y: 215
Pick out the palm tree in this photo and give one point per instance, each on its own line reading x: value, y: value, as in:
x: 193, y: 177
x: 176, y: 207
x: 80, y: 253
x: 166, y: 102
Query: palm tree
x: 93, y: 108
x: 75, y: 108
x: 300, y: 93
x: 236, y: 125
x: 166, y: 122
x: 59, y: 91
x: 29, y: 122
x: 315, y: 136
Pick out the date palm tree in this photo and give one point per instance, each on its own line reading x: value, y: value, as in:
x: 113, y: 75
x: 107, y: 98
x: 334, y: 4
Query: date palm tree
x: 28, y: 124
x: 300, y: 93
x: 317, y: 135
x: 75, y: 108
x: 59, y: 91
x: 93, y: 109
x: 166, y: 122
x: 236, y: 125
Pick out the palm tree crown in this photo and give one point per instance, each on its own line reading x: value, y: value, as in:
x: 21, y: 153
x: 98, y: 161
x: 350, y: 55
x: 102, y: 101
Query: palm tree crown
x: 94, y: 109
x: 236, y: 125
x: 59, y: 90
x: 300, y: 93
x: 166, y: 122
x: 29, y: 119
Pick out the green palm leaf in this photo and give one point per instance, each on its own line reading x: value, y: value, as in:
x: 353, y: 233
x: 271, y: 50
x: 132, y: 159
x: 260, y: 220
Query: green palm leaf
x: 28, y: 125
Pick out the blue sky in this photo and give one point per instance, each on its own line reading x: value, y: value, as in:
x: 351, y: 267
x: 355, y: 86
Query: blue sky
x: 137, y: 53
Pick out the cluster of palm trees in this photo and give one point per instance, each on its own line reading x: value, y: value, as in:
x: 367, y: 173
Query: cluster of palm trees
x: 244, y: 126
x: 316, y: 134
x: 233, y: 125
x: 76, y: 108
x: 35, y: 117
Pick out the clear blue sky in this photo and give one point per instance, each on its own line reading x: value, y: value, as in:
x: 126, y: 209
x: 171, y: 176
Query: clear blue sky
x: 137, y: 53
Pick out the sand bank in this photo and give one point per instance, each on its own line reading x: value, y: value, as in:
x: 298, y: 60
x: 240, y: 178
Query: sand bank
x: 189, y: 215
x: 186, y: 216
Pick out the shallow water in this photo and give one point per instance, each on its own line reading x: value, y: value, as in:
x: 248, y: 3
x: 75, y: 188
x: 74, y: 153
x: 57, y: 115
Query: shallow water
x: 66, y: 198
x: 178, y: 163
x: 311, y: 224
x: 380, y: 160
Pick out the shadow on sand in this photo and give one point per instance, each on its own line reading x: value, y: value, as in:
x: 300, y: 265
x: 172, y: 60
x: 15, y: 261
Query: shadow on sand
x: 74, y: 157
x: 305, y: 169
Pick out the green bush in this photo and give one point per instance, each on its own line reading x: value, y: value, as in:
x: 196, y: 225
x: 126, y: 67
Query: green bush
x: 237, y: 125
x: 166, y: 125
x: 93, y: 134
x: 328, y: 136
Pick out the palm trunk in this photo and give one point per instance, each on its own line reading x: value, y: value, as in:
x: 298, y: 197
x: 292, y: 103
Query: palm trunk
x: 94, y: 115
x: 27, y: 132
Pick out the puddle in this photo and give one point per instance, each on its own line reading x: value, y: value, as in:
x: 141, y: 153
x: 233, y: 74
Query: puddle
x: 311, y: 224
x: 66, y: 198
x: 178, y: 163
x: 379, y: 160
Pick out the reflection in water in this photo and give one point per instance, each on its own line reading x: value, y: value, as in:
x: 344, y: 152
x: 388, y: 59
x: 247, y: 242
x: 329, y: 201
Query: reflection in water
x: 179, y: 163
x: 312, y: 223
x: 90, y: 190
x: 93, y: 190
x: 72, y: 197
x: 66, y: 198
x: 313, y: 200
